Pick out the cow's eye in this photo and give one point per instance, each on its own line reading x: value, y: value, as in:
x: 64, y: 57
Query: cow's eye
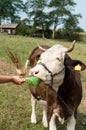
x: 37, y: 57
x: 58, y: 59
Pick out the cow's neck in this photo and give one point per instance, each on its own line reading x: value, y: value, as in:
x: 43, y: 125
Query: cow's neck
x: 58, y: 80
x: 56, y: 85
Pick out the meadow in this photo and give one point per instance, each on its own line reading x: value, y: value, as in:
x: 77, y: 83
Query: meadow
x: 15, y: 107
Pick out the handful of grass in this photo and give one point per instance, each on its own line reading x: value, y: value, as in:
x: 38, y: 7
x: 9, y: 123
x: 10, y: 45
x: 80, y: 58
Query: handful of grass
x: 33, y: 81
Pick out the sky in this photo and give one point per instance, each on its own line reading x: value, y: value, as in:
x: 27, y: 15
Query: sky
x: 81, y: 8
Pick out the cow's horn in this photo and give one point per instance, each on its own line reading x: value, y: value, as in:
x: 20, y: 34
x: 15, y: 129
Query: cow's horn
x: 71, y: 47
x: 26, y: 64
x: 41, y: 48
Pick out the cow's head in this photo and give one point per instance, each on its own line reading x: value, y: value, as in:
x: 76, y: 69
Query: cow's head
x: 52, y: 64
x: 35, y: 55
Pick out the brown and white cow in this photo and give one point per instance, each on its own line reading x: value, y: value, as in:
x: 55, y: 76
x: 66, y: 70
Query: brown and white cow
x: 61, y: 86
x: 60, y: 92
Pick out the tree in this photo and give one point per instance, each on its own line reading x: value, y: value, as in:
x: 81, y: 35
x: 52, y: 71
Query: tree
x: 9, y: 9
x: 46, y: 13
x: 3, y: 10
x: 71, y: 27
x: 37, y: 13
x: 60, y: 11
x: 71, y: 23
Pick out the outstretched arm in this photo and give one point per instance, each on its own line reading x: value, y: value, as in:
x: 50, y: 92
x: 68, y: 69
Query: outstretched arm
x: 14, y: 79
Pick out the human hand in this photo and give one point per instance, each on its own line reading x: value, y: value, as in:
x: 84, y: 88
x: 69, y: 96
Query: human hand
x: 18, y: 80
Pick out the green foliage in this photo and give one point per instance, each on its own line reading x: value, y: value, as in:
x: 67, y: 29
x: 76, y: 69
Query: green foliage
x: 48, y: 33
x: 23, y: 30
x: 60, y: 12
x: 37, y: 13
x: 71, y: 36
x: 67, y: 35
x: 71, y: 24
x: 10, y: 9
x: 26, y: 30
x: 79, y: 29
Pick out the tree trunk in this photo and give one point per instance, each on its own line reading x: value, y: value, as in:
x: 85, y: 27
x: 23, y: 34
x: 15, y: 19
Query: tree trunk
x: 43, y: 32
x: 54, y: 30
x: 53, y: 35
x: 0, y: 20
x: 43, y: 35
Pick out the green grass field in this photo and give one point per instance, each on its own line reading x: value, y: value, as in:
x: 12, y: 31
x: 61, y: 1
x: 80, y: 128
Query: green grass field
x: 15, y: 107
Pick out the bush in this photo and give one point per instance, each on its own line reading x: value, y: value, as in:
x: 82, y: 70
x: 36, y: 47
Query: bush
x: 48, y: 33
x: 60, y: 34
x: 68, y: 35
x: 25, y: 30
x: 71, y: 36
x: 22, y: 30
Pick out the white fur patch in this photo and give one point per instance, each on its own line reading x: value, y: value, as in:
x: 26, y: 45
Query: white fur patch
x: 33, y: 114
x: 52, y: 125
x: 71, y: 123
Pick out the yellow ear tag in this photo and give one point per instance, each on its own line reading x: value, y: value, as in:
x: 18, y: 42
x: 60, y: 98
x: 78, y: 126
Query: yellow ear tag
x: 38, y: 61
x: 78, y: 67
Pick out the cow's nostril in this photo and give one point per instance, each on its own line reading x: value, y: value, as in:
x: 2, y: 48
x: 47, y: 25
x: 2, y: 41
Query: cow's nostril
x: 36, y: 72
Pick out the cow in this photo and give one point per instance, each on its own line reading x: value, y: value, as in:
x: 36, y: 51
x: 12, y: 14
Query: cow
x: 60, y: 89
x: 61, y: 86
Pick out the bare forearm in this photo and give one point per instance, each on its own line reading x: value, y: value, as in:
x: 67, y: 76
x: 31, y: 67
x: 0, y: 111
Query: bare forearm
x: 14, y: 79
x: 5, y: 79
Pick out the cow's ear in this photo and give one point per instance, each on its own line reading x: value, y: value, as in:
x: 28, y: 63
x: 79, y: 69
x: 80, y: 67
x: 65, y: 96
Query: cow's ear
x: 76, y: 64
x: 79, y: 66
